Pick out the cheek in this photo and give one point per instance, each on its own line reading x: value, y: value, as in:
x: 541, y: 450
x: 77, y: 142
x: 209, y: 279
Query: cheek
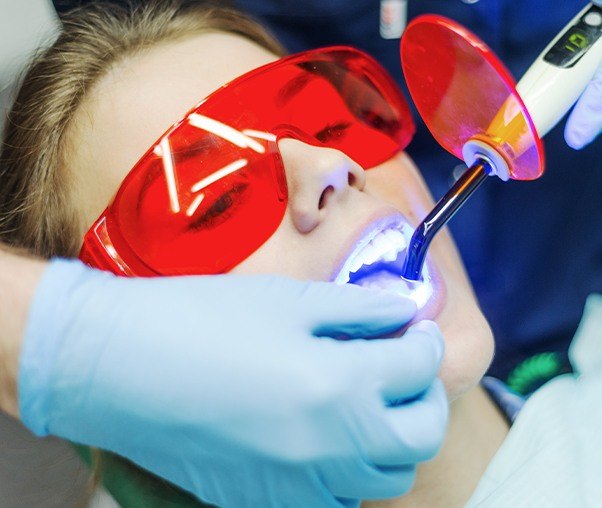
x: 271, y: 258
x: 469, y: 346
x: 290, y: 254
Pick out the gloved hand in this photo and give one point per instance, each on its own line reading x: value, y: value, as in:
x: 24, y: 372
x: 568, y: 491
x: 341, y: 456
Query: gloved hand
x: 232, y: 387
x: 585, y: 121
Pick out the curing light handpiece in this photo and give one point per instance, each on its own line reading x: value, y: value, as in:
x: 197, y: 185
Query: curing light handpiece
x: 443, y: 211
x: 507, y: 143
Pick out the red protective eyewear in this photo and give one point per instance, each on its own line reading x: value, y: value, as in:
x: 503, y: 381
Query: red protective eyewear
x: 213, y: 188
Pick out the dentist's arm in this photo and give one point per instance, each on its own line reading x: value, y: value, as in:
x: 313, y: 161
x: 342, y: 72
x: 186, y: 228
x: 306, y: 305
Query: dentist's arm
x: 19, y: 277
x: 235, y: 388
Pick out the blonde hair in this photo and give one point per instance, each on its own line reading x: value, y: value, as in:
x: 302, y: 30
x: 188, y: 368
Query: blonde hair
x: 35, y: 206
x: 36, y: 212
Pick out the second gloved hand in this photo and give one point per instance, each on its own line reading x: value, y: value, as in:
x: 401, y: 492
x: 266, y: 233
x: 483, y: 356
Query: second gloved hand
x: 585, y: 122
x: 232, y: 387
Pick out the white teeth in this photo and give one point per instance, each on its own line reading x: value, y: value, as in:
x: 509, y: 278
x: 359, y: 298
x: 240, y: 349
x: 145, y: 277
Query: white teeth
x: 370, y: 253
x: 356, y: 264
x: 384, y: 246
x: 381, y: 242
x: 391, y: 255
x: 396, y: 237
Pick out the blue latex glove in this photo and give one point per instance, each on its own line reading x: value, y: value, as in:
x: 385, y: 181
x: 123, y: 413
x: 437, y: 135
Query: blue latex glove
x: 230, y: 387
x: 585, y: 122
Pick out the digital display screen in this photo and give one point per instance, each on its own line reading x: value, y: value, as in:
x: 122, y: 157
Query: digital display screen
x: 575, y: 42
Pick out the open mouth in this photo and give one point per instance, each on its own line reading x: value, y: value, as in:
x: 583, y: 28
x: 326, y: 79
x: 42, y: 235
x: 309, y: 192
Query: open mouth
x: 377, y: 261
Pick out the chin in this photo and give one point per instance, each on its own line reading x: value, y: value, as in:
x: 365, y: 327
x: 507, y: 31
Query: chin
x: 469, y: 349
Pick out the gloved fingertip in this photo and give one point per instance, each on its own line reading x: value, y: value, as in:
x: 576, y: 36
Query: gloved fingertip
x: 432, y: 330
x: 585, y: 121
x: 427, y: 326
x: 391, y: 303
x: 572, y: 138
x: 403, y: 302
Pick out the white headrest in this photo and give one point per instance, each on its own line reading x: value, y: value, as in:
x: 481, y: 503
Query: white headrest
x: 25, y: 25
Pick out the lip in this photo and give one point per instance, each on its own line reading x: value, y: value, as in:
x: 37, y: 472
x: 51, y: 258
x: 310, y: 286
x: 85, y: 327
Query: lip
x: 377, y: 222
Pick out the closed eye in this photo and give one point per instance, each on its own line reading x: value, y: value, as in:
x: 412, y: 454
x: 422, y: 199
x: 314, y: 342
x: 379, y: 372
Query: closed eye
x: 220, y: 209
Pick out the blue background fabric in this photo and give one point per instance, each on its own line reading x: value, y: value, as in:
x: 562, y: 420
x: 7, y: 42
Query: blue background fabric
x: 532, y: 249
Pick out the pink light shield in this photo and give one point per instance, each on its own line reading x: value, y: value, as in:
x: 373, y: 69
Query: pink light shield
x: 463, y: 91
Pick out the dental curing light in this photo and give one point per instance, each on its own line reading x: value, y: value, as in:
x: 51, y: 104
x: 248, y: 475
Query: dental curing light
x: 469, y: 102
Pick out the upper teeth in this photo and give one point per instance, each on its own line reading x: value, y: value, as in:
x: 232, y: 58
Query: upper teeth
x: 383, y: 245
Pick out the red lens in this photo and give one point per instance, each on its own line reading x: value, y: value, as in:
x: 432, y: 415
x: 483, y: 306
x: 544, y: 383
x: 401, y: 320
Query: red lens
x: 178, y: 235
x: 213, y: 189
x: 463, y: 91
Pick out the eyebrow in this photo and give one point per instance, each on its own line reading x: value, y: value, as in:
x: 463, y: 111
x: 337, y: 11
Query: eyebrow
x: 292, y: 88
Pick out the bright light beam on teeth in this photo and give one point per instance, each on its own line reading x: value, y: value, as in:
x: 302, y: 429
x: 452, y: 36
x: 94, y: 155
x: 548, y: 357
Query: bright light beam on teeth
x: 370, y: 253
x: 391, y: 255
x: 356, y: 264
x: 396, y: 237
x: 385, y: 245
x: 381, y: 243
x: 420, y: 292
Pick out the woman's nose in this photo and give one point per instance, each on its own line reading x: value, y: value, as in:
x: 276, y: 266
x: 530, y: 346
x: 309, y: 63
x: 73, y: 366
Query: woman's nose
x: 317, y: 178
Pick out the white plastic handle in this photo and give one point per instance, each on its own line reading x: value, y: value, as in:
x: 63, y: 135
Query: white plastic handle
x: 549, y: 91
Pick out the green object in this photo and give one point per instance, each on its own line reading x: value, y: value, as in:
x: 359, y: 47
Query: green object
x: 534, y: 372
x: 133, y: 487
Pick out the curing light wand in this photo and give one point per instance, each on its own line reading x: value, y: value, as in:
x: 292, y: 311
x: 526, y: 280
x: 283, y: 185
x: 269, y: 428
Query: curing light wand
x: 443, y: 211
x: 507, y: 146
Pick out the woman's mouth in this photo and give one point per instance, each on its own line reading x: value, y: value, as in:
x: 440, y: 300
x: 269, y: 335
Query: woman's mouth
x: 376, y: 261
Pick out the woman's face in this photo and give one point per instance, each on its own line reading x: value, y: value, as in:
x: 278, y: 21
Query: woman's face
x: 333, y: 203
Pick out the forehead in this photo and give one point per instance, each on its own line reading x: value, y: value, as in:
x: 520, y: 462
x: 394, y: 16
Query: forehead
x: 137, y: 100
